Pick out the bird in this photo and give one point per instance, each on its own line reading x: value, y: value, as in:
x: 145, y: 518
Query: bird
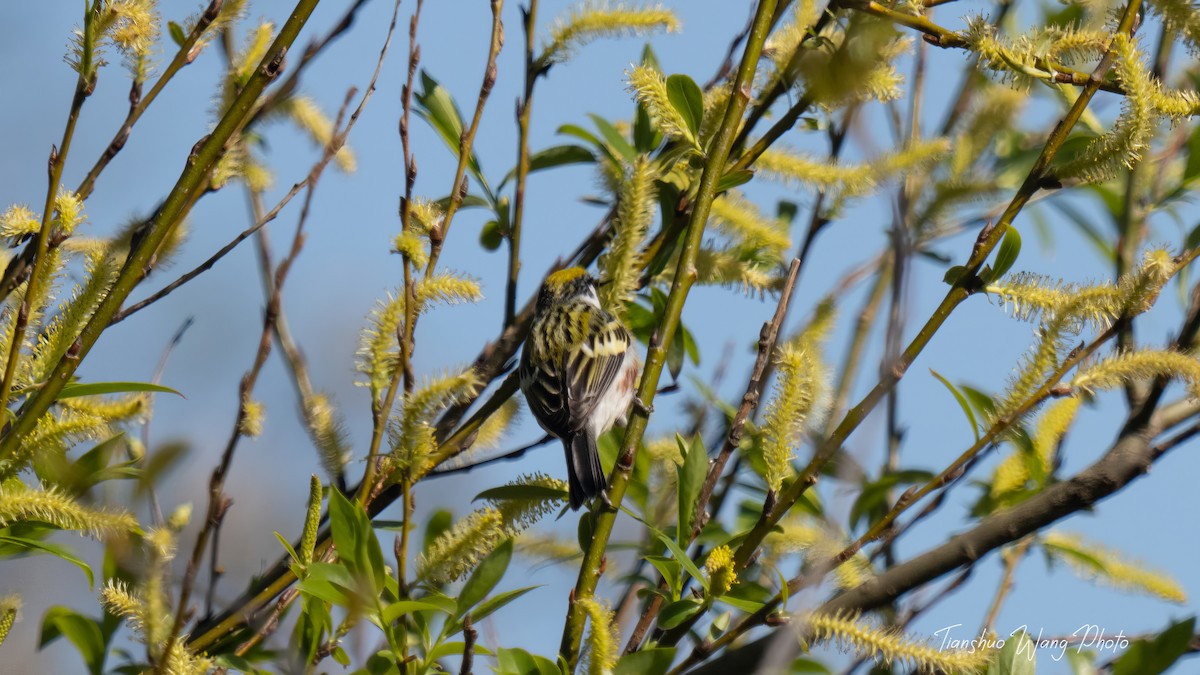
x: 578, y: 371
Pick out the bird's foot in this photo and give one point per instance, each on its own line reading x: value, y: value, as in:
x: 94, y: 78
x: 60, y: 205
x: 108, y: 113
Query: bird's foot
x: 644, y: 408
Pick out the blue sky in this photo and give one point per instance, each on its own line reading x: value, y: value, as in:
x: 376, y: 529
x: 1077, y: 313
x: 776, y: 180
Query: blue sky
x: 346, y: 266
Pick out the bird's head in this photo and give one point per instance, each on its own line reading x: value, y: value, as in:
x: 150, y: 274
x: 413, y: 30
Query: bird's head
x: 566, y: 285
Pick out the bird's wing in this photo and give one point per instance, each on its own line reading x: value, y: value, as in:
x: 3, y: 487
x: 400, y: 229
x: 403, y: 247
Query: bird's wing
x: 545, y: 394
x: 591, y: 369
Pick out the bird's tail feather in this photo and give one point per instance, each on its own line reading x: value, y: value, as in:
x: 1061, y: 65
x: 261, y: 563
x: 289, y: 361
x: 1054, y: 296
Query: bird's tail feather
x: 585, y: 476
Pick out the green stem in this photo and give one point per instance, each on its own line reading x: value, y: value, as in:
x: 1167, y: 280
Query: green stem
x: 685, y: 275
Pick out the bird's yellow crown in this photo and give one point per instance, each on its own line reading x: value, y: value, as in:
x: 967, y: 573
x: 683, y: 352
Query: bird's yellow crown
x: 565, y: 276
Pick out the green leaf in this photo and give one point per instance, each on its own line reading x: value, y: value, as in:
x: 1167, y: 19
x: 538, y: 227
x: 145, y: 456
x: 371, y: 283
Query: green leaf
x: 982, y: 403
x: 687, y: 100
x: 954, y: 274
x: 585, y: 530
x: 1082, y: 662
x: 239, y: 664
x: 1192, y: 168
x: 521, y: 662
x: 733, y: 179
x: 680, y: 555
x: 645, y: 137
x: 56, y: 550
x: 485, y: 577
x: 691, y: 481
x: 439, y: 522
x: 555, y: 155
x: 355, y: 540
x: 646, y: 662
x: 580, y: 133
x: 405, y: 607
x: 871, y: 502
x: 75, y: 389
x: 437, y: 107
x: 287, y: 546
x: 1010, y: 249
x: 445, y: 649
x: 671, y: 571
x: 494, y: 603
x: 332, y: 583
x: 613, y: 137
x: 83, y: 632
x: 747, y: 596
x: 522, y: 493
x: 176, y: 32
x: 1017, y: 657
x: 1151, y: 657
x: 677, y: 612
x: 748, y: 606
x: 490, y: 236
x: 962, y: 402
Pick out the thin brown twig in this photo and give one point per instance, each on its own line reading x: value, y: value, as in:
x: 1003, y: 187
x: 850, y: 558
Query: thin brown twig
x: 215, y: 257
x: 468, y: 656
x: 533, y: 70
x: 467, y: 141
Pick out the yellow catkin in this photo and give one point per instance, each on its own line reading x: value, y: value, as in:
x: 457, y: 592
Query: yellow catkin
x: 891, y: 647
x: 253, y: 417
x: 312, y: 522
x: 737, y: 216
x: 9, y: 607
x: 649, y: 87
x: 592, y: 20
x: 19, y: 504
x: 447, y: 288
x: 19, y: 221
x: 1138, y: 366
x: 1014, y: 472
x: 601, y: 640
x: 635, y: 212
x: 1104, y: 565
x: 519, y: 514
x: 457, y: 551
x: 493, y: 429
x: 721, y: 571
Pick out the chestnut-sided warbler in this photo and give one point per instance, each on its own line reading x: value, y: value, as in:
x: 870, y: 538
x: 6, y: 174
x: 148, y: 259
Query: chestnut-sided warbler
x: 579, y: 371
